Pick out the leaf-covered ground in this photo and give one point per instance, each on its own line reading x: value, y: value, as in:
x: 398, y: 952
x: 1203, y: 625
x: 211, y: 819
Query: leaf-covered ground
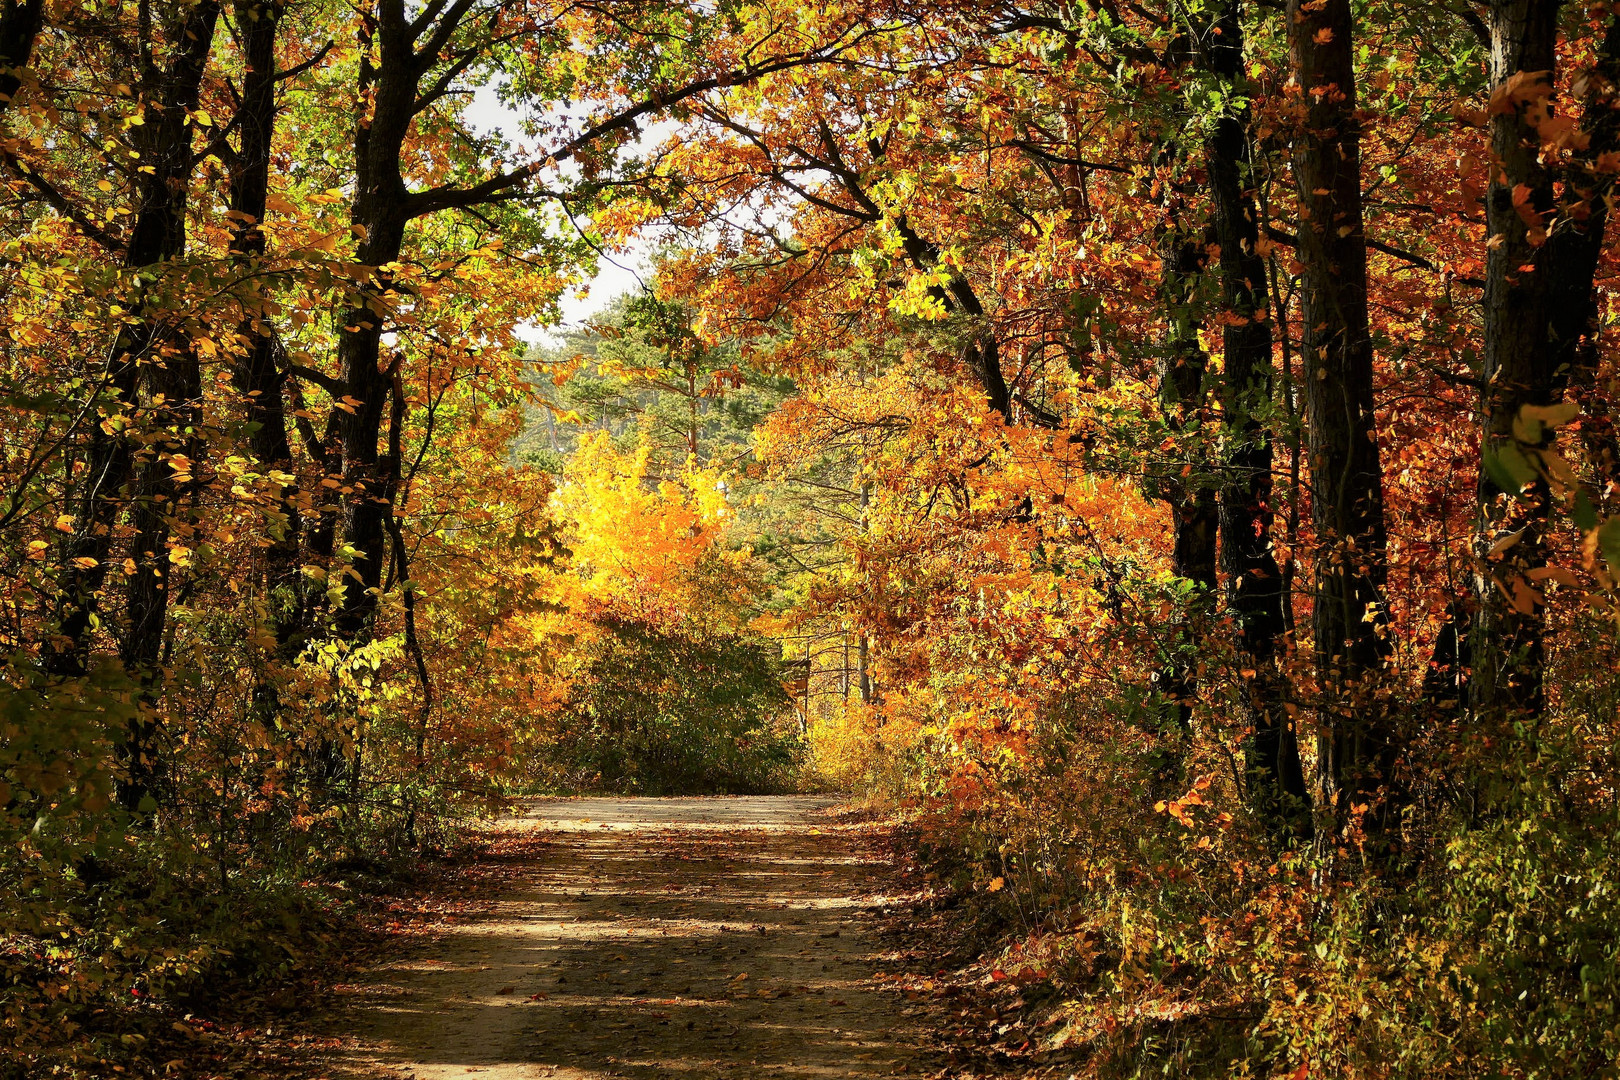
x: 645, y: 938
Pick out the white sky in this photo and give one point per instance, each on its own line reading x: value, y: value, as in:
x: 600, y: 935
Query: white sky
x: 626, y: 270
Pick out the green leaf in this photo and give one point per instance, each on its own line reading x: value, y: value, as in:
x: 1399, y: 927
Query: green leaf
x: 1498, y: 472
x: 1508, y: 467
x: 1522, y: 468
x: 1584, y: 513
x: 1609, y: 543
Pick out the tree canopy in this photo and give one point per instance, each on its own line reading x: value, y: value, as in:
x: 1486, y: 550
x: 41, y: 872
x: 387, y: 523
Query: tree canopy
x: 1167, y: 448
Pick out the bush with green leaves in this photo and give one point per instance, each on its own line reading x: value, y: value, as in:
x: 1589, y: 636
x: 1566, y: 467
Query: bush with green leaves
x: 662, y: 713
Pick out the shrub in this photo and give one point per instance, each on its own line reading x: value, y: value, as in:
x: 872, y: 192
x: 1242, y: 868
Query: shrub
x: 661, y: 713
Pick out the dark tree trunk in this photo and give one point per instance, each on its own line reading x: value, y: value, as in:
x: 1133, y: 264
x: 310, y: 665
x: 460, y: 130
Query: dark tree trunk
x: 258, y: 375
x: 1194, y: 519
x: 868, y: 689
x: 158, y: 236
x: 1445, y: 679
x: 158, y: 346
x: 1541, y: 324
x: 1507, y: 679
x: 20, y: 24
x: 379, y: 210
x: 1347, y: 498
x: 1254, y: 580
x: 174, y: 396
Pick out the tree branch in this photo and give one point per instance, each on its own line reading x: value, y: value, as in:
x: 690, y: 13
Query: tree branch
x: 336, y: 389
x: 1290, y: 240
x: 59, y: 202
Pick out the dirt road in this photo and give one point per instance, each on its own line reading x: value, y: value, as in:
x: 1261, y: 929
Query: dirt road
x: 640, y: 938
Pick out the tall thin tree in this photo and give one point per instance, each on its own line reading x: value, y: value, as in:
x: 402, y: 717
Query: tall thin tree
x: 1358, y: 748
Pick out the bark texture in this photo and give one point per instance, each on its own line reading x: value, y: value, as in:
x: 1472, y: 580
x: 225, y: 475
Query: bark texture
x: 1541, y: 324
x: 1358, y: 747
x: 1183, y: 393
x: 1254, y: 579
x: 259, y: 374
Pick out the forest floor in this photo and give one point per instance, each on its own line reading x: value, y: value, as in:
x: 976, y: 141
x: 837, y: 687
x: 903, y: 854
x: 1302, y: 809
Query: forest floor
x: 684, y: 938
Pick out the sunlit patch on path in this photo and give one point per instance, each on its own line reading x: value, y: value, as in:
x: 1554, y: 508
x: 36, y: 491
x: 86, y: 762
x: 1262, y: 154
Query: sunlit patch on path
x: 640, y: 938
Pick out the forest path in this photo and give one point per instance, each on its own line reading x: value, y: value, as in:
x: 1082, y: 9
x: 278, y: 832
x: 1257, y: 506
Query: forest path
x: 640, y: 938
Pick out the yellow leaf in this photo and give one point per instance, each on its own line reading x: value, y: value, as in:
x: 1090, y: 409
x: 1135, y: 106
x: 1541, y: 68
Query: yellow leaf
x: 1551, y: 415
x: 1553, y: 573
x: 1506, y: 542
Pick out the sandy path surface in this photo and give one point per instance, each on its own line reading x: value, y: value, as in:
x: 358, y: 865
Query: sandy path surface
x: 639, y: 938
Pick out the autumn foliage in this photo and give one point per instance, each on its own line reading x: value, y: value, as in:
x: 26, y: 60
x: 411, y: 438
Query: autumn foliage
x: 1167, y: 450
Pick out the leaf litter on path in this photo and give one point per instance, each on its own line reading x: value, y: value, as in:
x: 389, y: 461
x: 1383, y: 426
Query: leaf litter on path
x: 699, y: 938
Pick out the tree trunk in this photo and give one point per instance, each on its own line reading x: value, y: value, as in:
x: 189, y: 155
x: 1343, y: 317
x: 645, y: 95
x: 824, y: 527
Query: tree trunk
x: 380, y: 216
x: 1541, y: 324
x: 20, y: 24
x: 862, y: 658
x: 155, y: 343
x: 1254, y: 580
x: 258, y: 375
x: 868, y: 690
x: 1182, y: 392
x: 1506, y: 684
x: 174, y: 399
x: 1347, y: 499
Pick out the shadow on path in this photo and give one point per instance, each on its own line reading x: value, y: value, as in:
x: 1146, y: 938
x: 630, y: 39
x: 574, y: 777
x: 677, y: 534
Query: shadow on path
x: 640, y: 938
